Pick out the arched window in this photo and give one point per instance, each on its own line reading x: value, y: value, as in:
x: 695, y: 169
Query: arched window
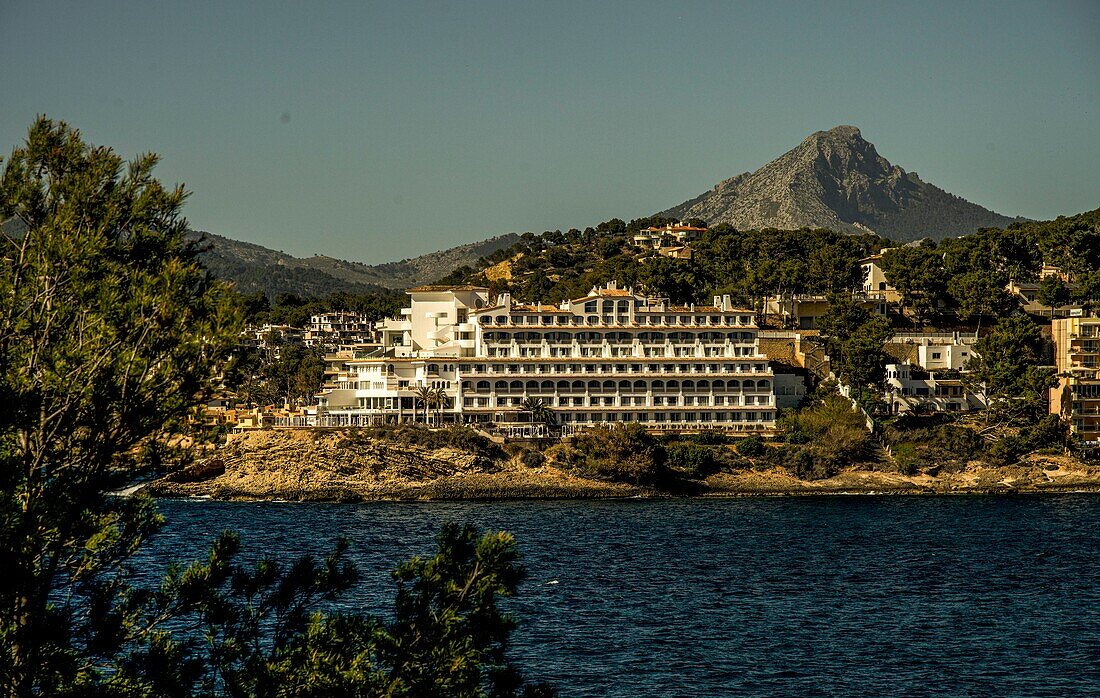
x: 483, y: 386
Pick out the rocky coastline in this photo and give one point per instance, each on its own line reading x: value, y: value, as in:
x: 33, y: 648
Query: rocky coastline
x: 338, y: 466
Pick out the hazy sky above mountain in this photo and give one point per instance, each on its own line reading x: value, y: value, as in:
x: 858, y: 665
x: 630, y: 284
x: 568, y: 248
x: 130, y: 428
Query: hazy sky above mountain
x: 375, y: 131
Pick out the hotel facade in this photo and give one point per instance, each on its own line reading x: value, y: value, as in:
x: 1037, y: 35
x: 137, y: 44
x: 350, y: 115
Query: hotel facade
x: 1076, y: 398
x: 611, y: 356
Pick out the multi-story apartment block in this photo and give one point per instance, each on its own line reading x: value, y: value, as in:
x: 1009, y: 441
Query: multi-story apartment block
x: 1026, y: 293
x: 1077, y: 360
x: 611, y: 356
x: 338, y: 329
x: 272, y: 336
x: 911, y: 388
x: 945, y: 356
x: 875, y: 283
x: 802, y: 311
x: 656, y: 237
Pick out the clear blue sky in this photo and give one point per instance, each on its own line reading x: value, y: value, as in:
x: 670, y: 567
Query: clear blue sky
x: 375, y: 131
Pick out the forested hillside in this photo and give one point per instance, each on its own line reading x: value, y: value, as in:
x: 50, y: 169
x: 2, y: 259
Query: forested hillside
x: 963, y: 275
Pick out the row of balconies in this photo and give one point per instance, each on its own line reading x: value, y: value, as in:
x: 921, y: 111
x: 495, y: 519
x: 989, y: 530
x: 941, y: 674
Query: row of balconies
x: 633, y: 343
x: 580, y: 403
x: 647, y: 389
x: 635, y: 369
x: 615, y: 321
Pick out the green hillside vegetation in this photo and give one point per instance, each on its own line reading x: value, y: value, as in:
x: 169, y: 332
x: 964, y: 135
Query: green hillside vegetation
x: 955, y: 280
x: 747, y: 265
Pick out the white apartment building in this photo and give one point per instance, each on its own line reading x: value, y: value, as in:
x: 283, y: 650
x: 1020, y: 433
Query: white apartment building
x: 943, y: 357
x: 913, y: 389
x: 656, y: 237
x: 338, y: 329
x: 875, y: 283
x: 611, y: 356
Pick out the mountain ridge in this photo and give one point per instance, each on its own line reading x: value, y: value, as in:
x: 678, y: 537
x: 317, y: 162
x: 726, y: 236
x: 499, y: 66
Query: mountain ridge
x: 254, y: 267
x: 836, y: 179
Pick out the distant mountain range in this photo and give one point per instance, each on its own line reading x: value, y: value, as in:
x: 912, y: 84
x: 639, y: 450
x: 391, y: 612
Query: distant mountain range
x: 256, y: 268
x: 833, y: 179
x: 836, y: 179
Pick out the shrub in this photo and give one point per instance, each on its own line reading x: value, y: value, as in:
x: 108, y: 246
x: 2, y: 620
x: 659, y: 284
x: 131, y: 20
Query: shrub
x: 622, y: 453
x: 908, y: 458
x: 709, y: 438
x: 1007, y: 451
x: 751, y: 446
x: 1048, y: 431
x: 691, y: 458
x: 532, y: 459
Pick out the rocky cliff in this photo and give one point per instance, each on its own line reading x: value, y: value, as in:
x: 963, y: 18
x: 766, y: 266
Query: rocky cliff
x: 352, y: 465
x: 836, y: 179
x: 326, y: 465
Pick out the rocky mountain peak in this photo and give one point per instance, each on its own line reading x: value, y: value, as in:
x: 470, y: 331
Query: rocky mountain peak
x: 837, y: 179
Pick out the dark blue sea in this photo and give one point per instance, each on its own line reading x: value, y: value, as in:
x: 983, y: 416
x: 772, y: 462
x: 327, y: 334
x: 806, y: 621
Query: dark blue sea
x: 801, y: 596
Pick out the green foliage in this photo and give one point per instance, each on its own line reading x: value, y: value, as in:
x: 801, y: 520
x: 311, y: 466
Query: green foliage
x: 854, y: 339
x: 675, y: 279
x: 449, y: 636
x: 693, y: 459
x: 458, y: 437
x: 918, y: 275
x: 828, y: 436
x: 1053, y: 292
x: 977, y: 294
x: 109, y: 332
x: 751, y: 446
x: 109, y: 328
x: 1006, y: 367
x: 295, y: 310
x: 621, y: 453
x: 933, y: 445
x: 532, y: 459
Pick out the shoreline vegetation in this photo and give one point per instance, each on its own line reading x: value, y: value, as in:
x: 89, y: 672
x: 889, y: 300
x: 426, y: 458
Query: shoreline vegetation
x: 415, y: 464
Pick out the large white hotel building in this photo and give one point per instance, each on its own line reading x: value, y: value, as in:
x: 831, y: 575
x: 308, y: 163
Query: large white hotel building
x: 612, y: 356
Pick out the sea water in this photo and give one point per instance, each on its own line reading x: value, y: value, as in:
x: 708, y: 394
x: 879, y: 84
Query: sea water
x: 798, y: 596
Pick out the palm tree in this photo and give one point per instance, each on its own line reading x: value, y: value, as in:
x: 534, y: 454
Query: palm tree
x: 538, y: 409
x: 439, y: 401
x: 423, y: 396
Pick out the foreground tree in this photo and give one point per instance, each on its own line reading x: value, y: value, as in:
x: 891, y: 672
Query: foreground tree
x: 109, y: 330
x: 854, y: 339
x: 1007, y: 369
